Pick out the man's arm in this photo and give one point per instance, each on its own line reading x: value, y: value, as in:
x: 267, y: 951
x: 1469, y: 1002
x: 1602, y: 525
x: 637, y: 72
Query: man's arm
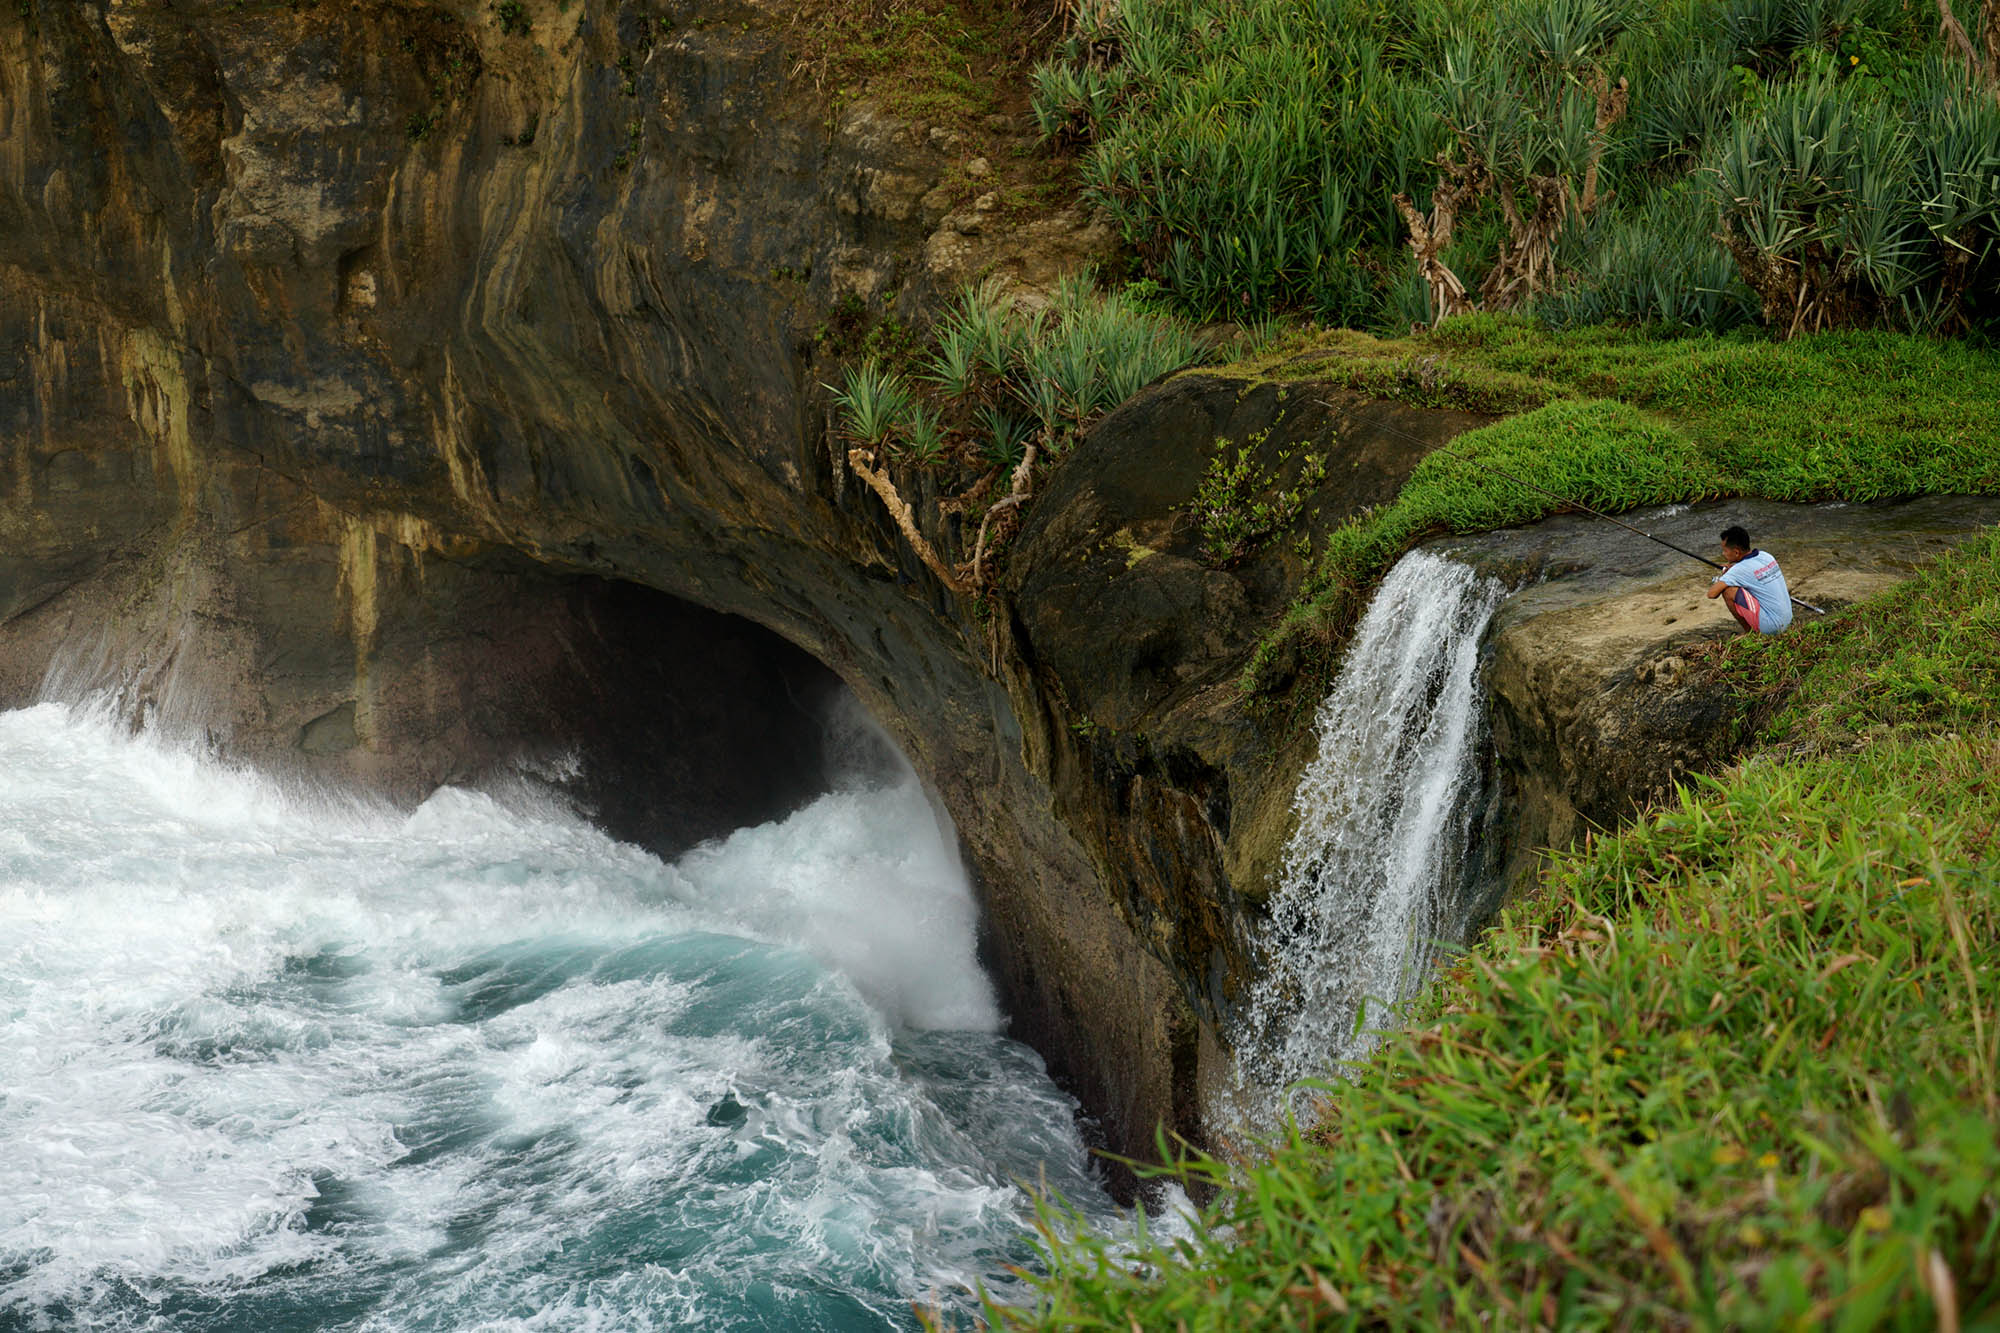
x: 1717, y: 588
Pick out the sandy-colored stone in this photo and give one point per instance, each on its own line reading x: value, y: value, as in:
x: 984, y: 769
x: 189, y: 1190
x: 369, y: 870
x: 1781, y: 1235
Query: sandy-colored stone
x: 1597, y: 707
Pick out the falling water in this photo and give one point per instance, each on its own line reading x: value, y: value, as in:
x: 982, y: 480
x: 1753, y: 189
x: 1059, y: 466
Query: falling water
x: 1383, y: 816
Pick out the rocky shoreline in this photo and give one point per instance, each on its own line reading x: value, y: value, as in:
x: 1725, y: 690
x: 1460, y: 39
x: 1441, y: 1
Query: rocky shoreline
x: 399, y: 458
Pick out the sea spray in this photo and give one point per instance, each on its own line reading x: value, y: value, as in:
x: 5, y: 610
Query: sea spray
x: 285, y: 1065
x: 1383, y: 813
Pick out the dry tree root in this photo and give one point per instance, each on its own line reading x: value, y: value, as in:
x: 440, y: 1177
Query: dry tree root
x: 1024, y: 473
x: 862, y: 461
x: 967, y: 580
x: 1982, y: 65
x: 1458, y: 185
x: 1525, y: 266
x: 971, y: 495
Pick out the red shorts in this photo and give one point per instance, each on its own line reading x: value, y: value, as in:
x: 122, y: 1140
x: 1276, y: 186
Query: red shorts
x: 1744, y: 603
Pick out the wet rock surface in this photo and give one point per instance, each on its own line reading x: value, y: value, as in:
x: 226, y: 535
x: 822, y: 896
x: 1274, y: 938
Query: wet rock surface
x: 399, y: 397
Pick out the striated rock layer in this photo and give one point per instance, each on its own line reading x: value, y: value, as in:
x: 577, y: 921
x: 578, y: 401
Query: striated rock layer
x: 403, y: 399
x: 350, y: 351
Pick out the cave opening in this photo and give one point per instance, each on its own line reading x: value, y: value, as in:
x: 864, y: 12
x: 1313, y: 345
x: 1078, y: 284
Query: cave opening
x: 675, y: 724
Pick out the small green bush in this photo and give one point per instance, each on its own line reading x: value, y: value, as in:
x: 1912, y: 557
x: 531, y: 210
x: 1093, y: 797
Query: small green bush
x: 999, y: 376
x: 1240, y: 502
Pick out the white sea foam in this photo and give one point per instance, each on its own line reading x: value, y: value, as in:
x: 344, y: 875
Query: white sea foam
x: 479, y: 1066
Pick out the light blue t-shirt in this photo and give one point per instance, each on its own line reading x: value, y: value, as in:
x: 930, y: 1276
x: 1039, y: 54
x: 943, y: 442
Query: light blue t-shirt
x: 1758, y: 573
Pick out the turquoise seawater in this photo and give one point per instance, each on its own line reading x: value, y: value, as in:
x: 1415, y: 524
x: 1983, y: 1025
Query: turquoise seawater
x: 273, y: 1062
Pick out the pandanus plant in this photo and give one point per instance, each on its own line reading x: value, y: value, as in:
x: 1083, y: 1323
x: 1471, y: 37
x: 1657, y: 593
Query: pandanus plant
x: 1955, y: 164
x: 997, y: 375
x: 1652, y: 263
x: 873, y: 402
x: 1819, y: 210
x: 1531, y: 121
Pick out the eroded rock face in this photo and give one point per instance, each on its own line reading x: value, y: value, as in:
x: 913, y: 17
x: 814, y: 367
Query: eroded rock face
x: 1134, y: 635
x: 337, y: 339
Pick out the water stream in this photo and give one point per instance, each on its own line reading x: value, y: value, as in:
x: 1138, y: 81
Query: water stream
x: 1383, y: 815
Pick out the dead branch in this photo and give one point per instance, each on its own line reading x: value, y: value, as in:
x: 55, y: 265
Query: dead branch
x: 862, y: 462
x: 971, y: 495
x: 1458, y: 185
x: 1526, y: 264
x: 1612, y: 100
x: 1024, y: 473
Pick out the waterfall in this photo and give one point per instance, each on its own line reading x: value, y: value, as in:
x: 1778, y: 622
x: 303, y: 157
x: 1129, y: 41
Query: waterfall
x: 1383, y: 814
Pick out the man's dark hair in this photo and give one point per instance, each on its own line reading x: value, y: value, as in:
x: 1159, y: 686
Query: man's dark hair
x: 1736, y: 538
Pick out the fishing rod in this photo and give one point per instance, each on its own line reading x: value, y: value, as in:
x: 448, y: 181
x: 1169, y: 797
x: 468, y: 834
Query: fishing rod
x: 1561, y: 499
x: 1575, y: 504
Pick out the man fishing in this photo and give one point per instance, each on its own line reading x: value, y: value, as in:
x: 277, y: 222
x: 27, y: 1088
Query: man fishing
x: 1755, y: 587
x: 1752, y: 586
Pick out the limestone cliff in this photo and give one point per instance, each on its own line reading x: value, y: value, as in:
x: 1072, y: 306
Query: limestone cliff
x: 338, y: 341
x: 397, y: 391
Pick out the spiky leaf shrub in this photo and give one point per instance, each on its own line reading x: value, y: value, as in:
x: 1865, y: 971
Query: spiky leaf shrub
x: 1002, y: 436
x: 873, y: 401
x: 997, y: 374
x: 954, y: 361
x: 1657, y: 264
x: 1955, y: 171
x: 919, y: 435
x: 1845, y: 208
x: 1252, y: 148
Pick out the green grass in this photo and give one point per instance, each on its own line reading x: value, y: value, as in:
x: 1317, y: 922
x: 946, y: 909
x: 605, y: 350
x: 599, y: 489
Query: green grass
x: 1625, y: 421
x: 1926, y: 655
x: 1734, y: 1067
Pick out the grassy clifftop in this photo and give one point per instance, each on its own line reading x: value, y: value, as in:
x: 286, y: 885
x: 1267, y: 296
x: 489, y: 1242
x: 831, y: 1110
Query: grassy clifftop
x: 1734, y: 1067
x: 1619, y: 419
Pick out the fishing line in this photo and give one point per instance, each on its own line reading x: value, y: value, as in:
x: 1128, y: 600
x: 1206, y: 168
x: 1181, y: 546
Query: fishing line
x: 1563, y: 500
